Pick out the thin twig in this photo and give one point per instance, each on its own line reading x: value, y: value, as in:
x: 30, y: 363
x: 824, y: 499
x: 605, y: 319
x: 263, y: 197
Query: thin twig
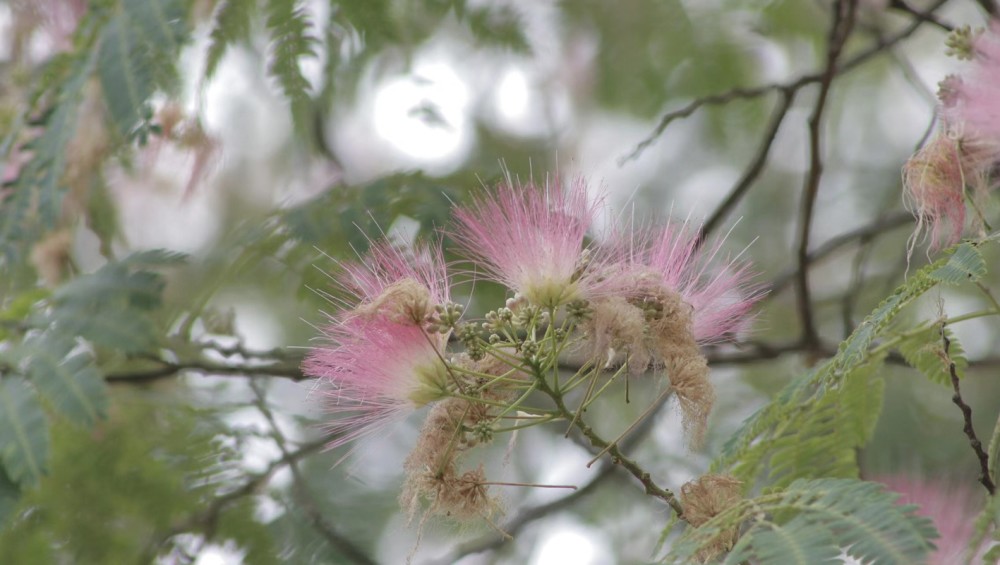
x: 617, y: 457
x: 977, y: 446
x: 840, y: 30
x: 207, y: 520
x: 745, y: 93
x: 930, y: 18
x: 319, y: 522
x: 755, y: 167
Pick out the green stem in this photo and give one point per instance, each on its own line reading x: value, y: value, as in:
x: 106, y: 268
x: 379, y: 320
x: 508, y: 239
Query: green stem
x: 617, y: 457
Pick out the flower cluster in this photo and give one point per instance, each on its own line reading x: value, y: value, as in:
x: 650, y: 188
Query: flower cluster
x: 957, y: 165
x: 634, y: 300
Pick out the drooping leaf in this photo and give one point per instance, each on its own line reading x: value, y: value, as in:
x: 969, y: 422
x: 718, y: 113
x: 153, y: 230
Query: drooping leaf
x: 35, y: 200
x: 70, y: 382
x: 233, y: 20
x: 120, y: 329
x: 24, y: 432
x: 291, y: 41
x: 138, y: 46
x: 820, y: 441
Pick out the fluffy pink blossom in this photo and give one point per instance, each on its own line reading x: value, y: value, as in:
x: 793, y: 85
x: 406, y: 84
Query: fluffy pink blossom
x: 403, y: 283
x: 956, y: 166
x: 381, y: 361
x: 531, y: 239
x: 952, y: 507
x: 387, y: 263
x: 376, y: 373
x: 972, y: 104
x: 934, y: 190
x: 720, y: 293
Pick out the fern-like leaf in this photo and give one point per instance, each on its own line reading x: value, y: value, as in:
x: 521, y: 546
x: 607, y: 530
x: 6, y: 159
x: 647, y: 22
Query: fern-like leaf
x: 966, y: 264
x: 820, y: 441
x: 232, y: 24
x: 35, y: 201
x: 813, y: 521
x: 291, y: 42
x: 924, y: 351
x: 767, y: 431
x: 137, y: 51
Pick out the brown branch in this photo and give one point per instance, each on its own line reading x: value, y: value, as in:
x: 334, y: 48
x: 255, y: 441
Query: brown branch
x: 207, y: 520
x: 840, y: 30
x: 970, y: 432
x: 745, y: 93
x: 169, y: 369
x: 755, y: 167
x: 991, y: 7
x: 833, y: 244
x: 301, y: 490
x: 926, y: 17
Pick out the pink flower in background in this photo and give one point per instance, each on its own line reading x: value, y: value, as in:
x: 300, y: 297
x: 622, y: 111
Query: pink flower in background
x: 531, y: 239
x: 376, y: 373
x: 933, y: 183
x: 972, y: 105
x: 955, y: 167
x: 951, y: 506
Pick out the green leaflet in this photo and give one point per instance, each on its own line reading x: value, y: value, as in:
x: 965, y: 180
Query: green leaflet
x: 109, y: 307
x: 118, y: 329
x: 24, y: 432
x: 71, y: 383
x: 966, y: 264
x: 773, y: 430
x: 820, y: 440
x: 924, y: 351
x: 812, y: 521
x: 138, y: 46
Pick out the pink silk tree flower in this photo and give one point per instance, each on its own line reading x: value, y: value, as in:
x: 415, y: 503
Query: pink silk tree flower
x: 376, y: 373
x: 403, y: 284
x: 971, y: 104
x: 531, y: 239
x: 934, y: 190
x: 672, y: 297
x: 721, y: 296
x: 951, y: 506
x: 955, y: 168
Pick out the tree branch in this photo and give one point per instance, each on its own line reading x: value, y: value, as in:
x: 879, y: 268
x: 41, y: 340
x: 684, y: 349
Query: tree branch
x: 970, y: 432
x: 301, y: 489
x: 755, y: 167
x: 744, y: 93
x: 840, y: 30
